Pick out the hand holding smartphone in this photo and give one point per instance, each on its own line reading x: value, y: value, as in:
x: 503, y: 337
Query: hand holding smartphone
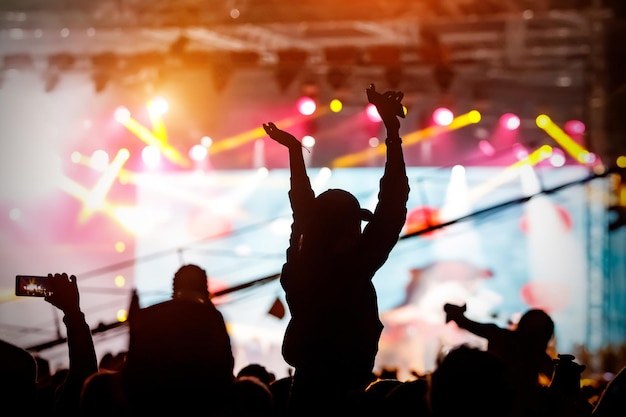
x: 32, y: 286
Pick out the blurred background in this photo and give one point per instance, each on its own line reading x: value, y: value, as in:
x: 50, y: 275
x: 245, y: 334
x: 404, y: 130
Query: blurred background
x: 132, y: 143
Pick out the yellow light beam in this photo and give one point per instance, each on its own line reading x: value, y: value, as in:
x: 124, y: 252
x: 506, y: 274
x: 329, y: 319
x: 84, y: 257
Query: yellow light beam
x: 251, y: 135
x: 158, y: 127
x: 95, y: 198
x: 510, y: 173
x: 575, y: 150
x: 458, y: 122
x: 151, y: 139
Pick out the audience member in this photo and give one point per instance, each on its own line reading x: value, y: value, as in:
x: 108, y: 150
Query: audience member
x: 332, y: 337
x: 523, y: 350
x: 82, y: 354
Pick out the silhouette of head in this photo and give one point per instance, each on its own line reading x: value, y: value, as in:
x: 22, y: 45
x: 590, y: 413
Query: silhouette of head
x: 190, y: 281
x: 536, y: 324
x: 338, y: 217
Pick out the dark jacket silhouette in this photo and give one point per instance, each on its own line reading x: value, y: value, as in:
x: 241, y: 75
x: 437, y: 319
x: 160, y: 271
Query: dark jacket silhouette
x: 330, y: 264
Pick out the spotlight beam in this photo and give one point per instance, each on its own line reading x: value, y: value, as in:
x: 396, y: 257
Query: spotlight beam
x: 95, y: 198
x: 575, y: 150
x: 253, y: 134
x: 458, y: 122
x: 511, y: 172
x: 153, y: 139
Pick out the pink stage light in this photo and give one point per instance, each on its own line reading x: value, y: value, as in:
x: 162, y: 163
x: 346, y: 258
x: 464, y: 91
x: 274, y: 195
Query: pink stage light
x: 574, y: 127
x: 443, y: 116
x: 509, y: 121
x: 306, y: 106
x: 372, y: 113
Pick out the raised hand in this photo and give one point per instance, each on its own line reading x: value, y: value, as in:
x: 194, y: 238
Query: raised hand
x: 280, y: 136
x: 388, y: 104
x: 65, y: 294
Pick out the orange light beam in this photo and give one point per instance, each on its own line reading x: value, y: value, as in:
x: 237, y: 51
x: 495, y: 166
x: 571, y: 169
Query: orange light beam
x: 458, y: 122
x: 95, y: 198
x: 510, y: 173
x: 575, y: 150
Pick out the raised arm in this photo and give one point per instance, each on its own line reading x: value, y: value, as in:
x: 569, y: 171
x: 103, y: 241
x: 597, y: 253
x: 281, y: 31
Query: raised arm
x: 301, y: 194
x: 82, y: 354
x: 390, y: 212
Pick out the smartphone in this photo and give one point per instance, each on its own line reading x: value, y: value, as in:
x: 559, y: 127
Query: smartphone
x: 32, y: 286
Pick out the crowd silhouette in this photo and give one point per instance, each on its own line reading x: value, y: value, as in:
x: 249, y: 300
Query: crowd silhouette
x: 179, y: 357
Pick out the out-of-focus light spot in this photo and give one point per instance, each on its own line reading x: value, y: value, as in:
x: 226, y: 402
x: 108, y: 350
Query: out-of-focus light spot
x: 308, y: 141
x: 75, y: 157
x: 373, y: 142
x: 206, y: 141
x: 520, y: 151
x: 574, y: 127
x: 159, y: 106
x: 372, y: 113
x: 120, y: 247
x: 474, y: 116
x: 15, y: 214
x: 486, y: 148
x: 542, y: 120
x: 509, y: 121
x: 151, y: 156
x: 481, y: 133
x: 121, y: 114
x: 243, y: 250
x: 122, y: 315
x: 557, y: 159
x: 336, y: 105
x: 119, y: 281
x: 16, y: 33
x: 198, y: 152
x: 99, y: 160
x: 235, y: 13
x: 443, y: 116
x: 306, y: 106
x: 38, y: 33
x: 65, y: 32
x: 280, y: 227
x: 621, y: 161
x: 91, y: 32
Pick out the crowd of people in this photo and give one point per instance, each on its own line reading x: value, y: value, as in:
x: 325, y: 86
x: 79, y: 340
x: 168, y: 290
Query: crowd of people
x: 179, y: 357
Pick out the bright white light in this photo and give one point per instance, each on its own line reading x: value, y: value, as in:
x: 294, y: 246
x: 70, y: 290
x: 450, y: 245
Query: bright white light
x: 557, y: 159
x: 151, y: 156
x: 306, y: 106
x: 99, y: 160
x: 373, y: 142
x: 198, y: 152
x: 372, y: 113
x: 206, y: 141
x: 308, y: 141
x: 121, y: 114
x: 159, y: 106
x: 443, y: 116
x: 510, y: 121
x: 243, y: 250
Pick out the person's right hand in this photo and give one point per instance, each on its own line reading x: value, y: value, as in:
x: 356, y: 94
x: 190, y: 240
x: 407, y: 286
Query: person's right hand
x: 388, y: 104
x: 453, y: 311
x: 280, y: 136
x: 65, y: 294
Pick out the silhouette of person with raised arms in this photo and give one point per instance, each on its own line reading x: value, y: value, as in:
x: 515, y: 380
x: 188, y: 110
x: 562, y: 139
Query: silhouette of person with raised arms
x: 332, y: 337
x: 523, y: 350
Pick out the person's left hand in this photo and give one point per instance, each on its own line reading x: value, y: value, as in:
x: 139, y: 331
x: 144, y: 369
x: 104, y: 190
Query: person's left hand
x: 65, y: 294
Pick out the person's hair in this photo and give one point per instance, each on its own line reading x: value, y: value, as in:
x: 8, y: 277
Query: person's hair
x: 538, y: 325
x: 191, y: 278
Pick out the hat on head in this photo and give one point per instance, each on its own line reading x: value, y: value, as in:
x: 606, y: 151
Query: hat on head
x: 341, y: 204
